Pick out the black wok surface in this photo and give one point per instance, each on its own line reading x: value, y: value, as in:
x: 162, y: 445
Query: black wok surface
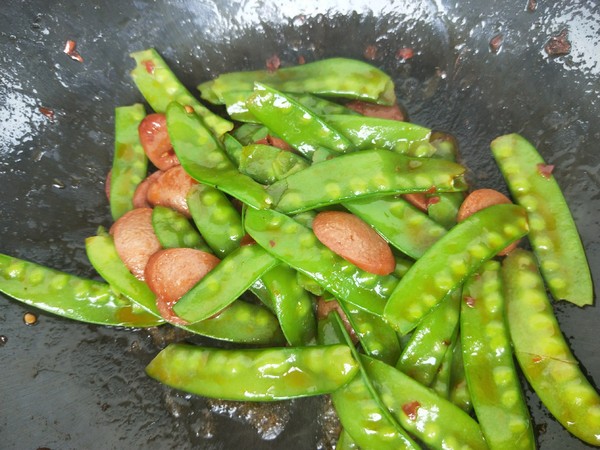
x: 66, y: 385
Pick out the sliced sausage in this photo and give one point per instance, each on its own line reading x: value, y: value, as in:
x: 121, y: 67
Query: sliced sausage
x: 418, y: 200
x: 156, y: 142
x: 324, y: 308
x: 355, y: 241
x: 393, y: 112
x: 140, y: 196
x: 135, y: 240
x: 481, y: 199
x: 171, y: 190
x: 274, y: 141
x: 171, y: 273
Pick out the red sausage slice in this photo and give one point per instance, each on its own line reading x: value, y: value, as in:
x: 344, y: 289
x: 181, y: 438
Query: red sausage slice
x: 135, y: 240
x: 355, y: 241
x: 481, y: 199
x: 393, y: 112
x: 171, y: 189
x: 156, y: 141
x: 275, y: 142
x: 418, y: 200
x: 140, y: 196
x: 171, y: 273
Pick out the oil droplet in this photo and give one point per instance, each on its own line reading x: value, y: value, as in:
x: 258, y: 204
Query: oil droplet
x: 29, y: 318
x: 3, y: 340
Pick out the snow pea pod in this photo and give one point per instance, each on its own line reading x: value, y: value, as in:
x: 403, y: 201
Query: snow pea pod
x: 174, y: 230
x: 225, y: 283
x: 216, y: 219
x: 491, y: 376
x: 372, y: 132
x: 423, y: 354
x: 204, y: 159
x: 345, y: 442
x: 159, y: 86
x: 249, y: 133
x: 130, y: 163
x: 241, y: 322
x: 297, y: 125
x: 450, y: 260
x: 554, y: 237
x: 267, y: 164
x: 343, y: 178
x: 69, y: 296
x: 292, y: 305
x: 405, y: 227
x: 421, y: 412
x: 237, y: 108
x: 334, y: 77
x: 459, y: 391
x: 543, y: 353
x: 441, y: 382
x: 254, y: 374
x: 233, y: 148
x: 297, y: 246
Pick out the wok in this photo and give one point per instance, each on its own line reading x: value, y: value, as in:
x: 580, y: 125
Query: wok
x: 66, y: 385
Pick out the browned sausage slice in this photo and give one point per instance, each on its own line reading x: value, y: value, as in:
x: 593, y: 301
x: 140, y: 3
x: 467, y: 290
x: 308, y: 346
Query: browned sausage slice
x: 171, y: 273
x: 418, y: 200
x: 140, y: 196
x: 355, y: 241
x: 156, y: 142
x: 135, y: 240
x: 481, y: 199
x: 393, y: 112
x: 171, y: 190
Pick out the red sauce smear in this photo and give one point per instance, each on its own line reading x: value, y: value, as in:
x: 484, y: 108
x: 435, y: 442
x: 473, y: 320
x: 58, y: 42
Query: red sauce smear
x: 149, y: 65
x: 71, y: 51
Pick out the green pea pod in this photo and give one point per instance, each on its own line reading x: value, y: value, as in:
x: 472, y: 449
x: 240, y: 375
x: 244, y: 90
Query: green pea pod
x: 159, y: 86
x: 405, y: 227
x: 292, y: 305
x: 267, y: 164
x: 459, y: 391
x: 429, y: 417
x: 297, y: 125
x: 297, y: 246
x: 254, y: 374
x: 233, y: 148
x: 451, y: 260
x: 492, y: 379
x: 423, y: 354
x: 241, y: 322
x: 543, y: 353
x: 441, y: 382
x: 204, y: 159
x: 130, y: 163
x: 372, y: 132
x: 376, y: 337
x: 174, y: 230
x: 216, y: 218
x: 237, y: 107
x: 343, y: 178
x: 334, y: 77
x: 224, y: 284
x: 345, y: 442
x: 248, y: 133
x: 308, y: 284
x: 69, y: 296
x: 554, y: 237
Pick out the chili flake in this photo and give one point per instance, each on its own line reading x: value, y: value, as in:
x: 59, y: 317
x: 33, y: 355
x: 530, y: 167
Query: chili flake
x: 545, y: 170
x: 411, y: 409
x: 71, y: 51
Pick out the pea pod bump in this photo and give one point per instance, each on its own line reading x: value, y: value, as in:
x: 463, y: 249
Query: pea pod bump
x: 553, y: 235
x: 451, y: 260
x: 543, y: 353
x: 69, y: 296
x: 254, y: 374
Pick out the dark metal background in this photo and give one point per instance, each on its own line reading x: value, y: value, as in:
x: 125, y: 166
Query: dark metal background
x: 66, y: 385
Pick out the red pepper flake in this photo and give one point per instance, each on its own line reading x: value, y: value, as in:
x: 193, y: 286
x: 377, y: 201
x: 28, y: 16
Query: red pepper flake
x: 558, y: 45
x: 47, y: 112
x: 301, y: 60
x: 496, y: 43
x: 370, y: 52
x: 149, y: 64
x: 431, y: 190
x: 405, y: 53
x: 469, y: 301
x: 545, y: 170
x: 272, y: 243
x: 70, y: 50
x: 531, y: 5
x: 433, y: 200
x: 273, y: 63
x: 536, y: 359
x: 411, y: 409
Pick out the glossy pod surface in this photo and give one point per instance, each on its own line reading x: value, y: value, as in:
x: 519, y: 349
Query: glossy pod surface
x: 254, y: 375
